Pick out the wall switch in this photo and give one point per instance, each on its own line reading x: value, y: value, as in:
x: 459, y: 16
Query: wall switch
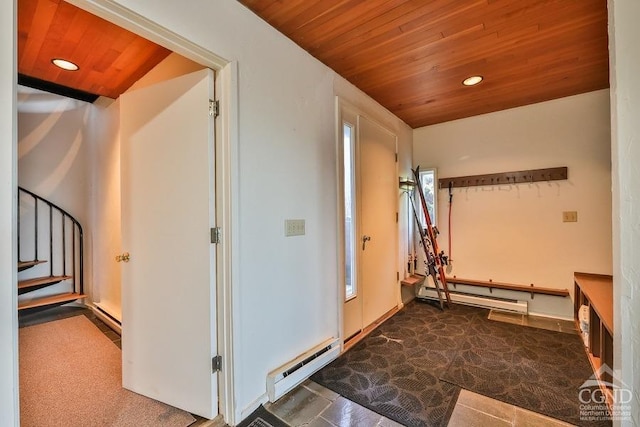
x: 570, y: 216
x: 294, y: 227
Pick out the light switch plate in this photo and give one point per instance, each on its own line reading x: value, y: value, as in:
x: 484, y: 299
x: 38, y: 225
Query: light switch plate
x: 294, y: 227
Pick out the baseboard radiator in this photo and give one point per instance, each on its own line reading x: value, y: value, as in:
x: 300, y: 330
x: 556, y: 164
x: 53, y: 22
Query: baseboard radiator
x: 283, y: 379
x: 103, y: 314
x: 483, y: 301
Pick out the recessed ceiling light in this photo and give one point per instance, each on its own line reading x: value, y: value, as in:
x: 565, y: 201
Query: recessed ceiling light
x: 472, y: 81
x: 64, y: 64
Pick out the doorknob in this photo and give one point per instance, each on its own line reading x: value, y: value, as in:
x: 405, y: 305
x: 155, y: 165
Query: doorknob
x: 365, y: 239
x: 124, y: 257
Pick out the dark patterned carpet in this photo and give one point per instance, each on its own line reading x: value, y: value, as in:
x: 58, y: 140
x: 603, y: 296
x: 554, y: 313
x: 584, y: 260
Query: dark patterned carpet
x: 411, y: 368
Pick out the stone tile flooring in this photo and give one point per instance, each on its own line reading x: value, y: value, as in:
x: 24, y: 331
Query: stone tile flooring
x: 312, y: 405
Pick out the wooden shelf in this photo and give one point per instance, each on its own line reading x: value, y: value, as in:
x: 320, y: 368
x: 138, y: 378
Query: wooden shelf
x: 510, y: 287
x: 596, y: 291
x: 414, y: 279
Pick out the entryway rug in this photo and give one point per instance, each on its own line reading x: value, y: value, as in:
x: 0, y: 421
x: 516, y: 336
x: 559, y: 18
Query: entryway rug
x: 411, y: 368
x: 70, y: 375
x: 262, y: 418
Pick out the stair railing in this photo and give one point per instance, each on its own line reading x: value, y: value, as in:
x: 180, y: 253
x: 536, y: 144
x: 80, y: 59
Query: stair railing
x: 58, y: 219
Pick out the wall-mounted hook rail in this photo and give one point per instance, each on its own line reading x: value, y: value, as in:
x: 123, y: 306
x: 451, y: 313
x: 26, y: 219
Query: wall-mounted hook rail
x: 503, y: 178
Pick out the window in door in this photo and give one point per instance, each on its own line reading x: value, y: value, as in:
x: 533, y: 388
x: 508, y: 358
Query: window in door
x: 348, y: 145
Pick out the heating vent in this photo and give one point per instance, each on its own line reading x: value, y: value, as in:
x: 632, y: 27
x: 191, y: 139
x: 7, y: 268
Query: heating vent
x: 477, y: 300
x: 286, y: 377
x: 104, y: 314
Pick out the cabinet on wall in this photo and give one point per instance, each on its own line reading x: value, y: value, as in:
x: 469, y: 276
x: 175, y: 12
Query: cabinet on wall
x: 596, y: 292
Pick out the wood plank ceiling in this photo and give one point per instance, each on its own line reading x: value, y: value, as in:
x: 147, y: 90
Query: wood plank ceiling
x: 412, y: 55
x: 110, y: 58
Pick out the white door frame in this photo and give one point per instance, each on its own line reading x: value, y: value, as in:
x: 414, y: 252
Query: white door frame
x: 226, y: 161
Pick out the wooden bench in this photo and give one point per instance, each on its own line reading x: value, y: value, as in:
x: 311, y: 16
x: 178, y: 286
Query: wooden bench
x: 509, y: 287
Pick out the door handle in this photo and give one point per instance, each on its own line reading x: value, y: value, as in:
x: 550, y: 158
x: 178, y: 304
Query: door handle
x: 123, y: 258
x: 365, y: 239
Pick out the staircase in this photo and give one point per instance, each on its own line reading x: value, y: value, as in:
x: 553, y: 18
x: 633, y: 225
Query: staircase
x: 50, y: 254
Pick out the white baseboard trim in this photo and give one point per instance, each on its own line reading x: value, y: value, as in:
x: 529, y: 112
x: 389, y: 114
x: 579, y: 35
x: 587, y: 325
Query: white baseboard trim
x: 252, y: 407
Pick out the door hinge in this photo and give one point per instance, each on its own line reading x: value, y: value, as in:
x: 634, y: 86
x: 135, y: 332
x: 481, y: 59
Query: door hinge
x: 396, y: 157
x: 396, y: 217
x: 214, y: 108
x: 216, y: 235
x: 216, y: 363
x: 397, y: 275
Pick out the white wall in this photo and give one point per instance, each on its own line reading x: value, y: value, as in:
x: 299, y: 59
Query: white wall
x: 515, y: 233
x: 285, y: 295
x: 53, y: 149
x: 624, y: 34
x: 9, y: 413
x: 105, y: 205
x: 172, y: 66
x: 53, y: 153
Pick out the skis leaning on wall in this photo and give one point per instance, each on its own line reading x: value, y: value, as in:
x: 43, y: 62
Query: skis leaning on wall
x: 438, y: 257
x: 430, y: 268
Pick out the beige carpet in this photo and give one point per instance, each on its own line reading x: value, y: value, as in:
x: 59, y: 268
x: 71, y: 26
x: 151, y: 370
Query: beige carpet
x: 70, y: 375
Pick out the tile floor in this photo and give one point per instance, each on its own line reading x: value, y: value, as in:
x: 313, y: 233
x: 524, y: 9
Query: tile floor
x: 312, y: 405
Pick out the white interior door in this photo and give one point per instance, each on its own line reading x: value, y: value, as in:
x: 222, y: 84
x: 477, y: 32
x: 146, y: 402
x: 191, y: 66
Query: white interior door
x: 378, y: 204
x: 168, y: 286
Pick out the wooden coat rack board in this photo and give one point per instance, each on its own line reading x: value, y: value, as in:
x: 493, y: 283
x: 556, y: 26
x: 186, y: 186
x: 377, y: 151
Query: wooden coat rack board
x: 504, y: 178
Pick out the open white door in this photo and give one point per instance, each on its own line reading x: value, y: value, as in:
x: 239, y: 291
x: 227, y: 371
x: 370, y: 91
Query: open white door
x: 168, y: 209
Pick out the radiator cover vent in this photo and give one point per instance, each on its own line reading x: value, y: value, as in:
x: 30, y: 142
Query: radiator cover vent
x: 284, y: 378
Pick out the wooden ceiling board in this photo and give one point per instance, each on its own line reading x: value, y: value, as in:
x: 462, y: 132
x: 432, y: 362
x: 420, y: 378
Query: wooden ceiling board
x: 412, y: 55
x: 110, y: 58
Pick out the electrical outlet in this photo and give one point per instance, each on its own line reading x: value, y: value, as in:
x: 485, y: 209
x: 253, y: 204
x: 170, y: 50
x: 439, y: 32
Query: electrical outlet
x: 294, y: 227
x: 570, y: 216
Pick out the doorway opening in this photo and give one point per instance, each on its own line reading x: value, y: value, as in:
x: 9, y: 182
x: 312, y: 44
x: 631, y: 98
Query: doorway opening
x: 220, y: 218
